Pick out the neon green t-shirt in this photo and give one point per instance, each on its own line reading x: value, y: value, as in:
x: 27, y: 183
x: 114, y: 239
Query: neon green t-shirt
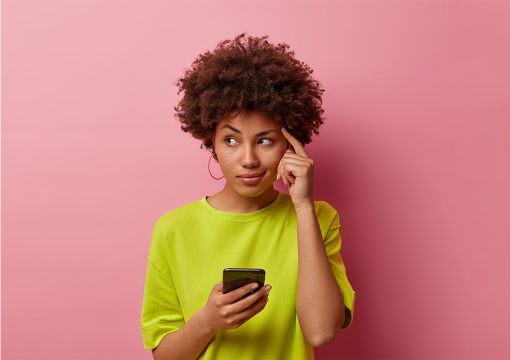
x: 193, y: 244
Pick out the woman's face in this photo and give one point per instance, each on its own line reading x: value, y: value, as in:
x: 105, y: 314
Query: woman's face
x: 246, y: 145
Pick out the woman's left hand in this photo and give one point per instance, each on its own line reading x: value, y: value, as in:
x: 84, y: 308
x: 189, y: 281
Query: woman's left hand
x: 297, y: 172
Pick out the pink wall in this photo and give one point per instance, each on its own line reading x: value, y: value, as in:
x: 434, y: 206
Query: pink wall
x: 414, y: 154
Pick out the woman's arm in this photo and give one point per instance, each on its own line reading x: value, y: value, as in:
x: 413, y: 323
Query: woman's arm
x: 319, y: 301
x: 186, y: 343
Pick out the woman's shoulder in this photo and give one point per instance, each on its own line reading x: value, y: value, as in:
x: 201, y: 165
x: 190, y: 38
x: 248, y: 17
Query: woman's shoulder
x: 324, y: 207
x: 178, y: 215
x: 327, y: 215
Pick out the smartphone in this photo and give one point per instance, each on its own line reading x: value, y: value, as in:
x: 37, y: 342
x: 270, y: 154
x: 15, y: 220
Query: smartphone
x: 235, y: 278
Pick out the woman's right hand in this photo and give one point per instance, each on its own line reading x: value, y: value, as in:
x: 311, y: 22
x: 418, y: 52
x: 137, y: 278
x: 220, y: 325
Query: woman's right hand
x: 223, y: 312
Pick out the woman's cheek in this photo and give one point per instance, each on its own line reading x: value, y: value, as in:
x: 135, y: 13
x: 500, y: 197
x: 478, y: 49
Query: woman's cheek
x: 276, y: 160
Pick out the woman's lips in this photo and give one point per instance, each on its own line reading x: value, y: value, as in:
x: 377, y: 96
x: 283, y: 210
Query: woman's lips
x: 252, y: 180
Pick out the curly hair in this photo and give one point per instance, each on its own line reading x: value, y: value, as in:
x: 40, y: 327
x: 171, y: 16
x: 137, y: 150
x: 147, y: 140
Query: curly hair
x: 249, y: 73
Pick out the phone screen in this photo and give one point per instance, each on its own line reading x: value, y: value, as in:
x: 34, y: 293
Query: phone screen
x: 234, y: 278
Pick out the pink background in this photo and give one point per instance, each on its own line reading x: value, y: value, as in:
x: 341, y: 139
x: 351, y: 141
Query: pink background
x: 414, y: 154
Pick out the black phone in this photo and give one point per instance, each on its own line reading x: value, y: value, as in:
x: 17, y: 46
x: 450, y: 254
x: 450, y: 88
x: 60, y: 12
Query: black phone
x: 235, y: 278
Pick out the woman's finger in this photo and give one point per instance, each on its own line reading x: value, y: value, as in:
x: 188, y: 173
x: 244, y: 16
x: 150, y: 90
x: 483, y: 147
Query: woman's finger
x: 293, y: 160
x: 294, y: 142
x: 282, y: 174
x: 292, y: 156
x: 295, y: 156
x: 286, y: 177
x: 294, y: 170
x: 247, y: 314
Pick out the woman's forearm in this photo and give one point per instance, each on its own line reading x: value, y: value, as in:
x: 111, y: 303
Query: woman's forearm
x: 186, y: 343
x: 319, y: 300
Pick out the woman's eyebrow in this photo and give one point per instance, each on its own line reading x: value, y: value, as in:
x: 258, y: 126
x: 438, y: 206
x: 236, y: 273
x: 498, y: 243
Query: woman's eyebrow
x: 239, y: 132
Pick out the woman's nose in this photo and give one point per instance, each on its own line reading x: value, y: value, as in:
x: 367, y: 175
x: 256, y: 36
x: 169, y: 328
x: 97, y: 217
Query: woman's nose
x: 249, y: 157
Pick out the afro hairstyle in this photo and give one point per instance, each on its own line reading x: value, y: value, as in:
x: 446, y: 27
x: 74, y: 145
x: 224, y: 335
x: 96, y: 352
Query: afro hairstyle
x: 249, y: 73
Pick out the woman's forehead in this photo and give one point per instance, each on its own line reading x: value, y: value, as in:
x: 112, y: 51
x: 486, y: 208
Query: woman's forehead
x: 249, y: 121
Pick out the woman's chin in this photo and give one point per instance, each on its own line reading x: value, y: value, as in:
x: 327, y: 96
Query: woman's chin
x: 252, y: 191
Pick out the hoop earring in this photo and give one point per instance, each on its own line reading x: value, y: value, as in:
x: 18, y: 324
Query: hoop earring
x: 210, y: 170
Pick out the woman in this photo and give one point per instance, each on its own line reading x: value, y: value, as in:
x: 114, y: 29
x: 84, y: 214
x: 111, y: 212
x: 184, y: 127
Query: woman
x: 239, y: 100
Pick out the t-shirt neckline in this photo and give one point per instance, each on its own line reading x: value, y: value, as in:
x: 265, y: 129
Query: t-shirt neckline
x: 248, y: 217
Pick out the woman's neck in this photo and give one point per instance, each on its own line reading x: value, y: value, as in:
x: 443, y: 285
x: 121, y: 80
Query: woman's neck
x: 229, y: 200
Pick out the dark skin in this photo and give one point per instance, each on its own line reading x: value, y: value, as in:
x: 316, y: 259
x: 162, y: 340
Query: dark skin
x: 253, y: 143
x: 241, y: 149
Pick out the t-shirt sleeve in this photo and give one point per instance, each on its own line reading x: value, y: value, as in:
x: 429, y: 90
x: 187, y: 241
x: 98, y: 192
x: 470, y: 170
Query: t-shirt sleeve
x: 161, y: 310
x: 333, y: 247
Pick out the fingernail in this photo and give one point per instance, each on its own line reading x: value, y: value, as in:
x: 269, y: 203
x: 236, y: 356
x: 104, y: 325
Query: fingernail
x: 278, y: 175
x: 284, y: 128
x: 267, y: 288
x: 255, y: 285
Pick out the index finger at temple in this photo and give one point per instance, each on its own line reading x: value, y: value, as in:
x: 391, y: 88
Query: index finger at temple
x: 295, y: 143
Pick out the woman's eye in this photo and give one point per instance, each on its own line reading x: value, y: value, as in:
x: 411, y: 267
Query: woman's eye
x: 228, y: 141
x: 232, y: 141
